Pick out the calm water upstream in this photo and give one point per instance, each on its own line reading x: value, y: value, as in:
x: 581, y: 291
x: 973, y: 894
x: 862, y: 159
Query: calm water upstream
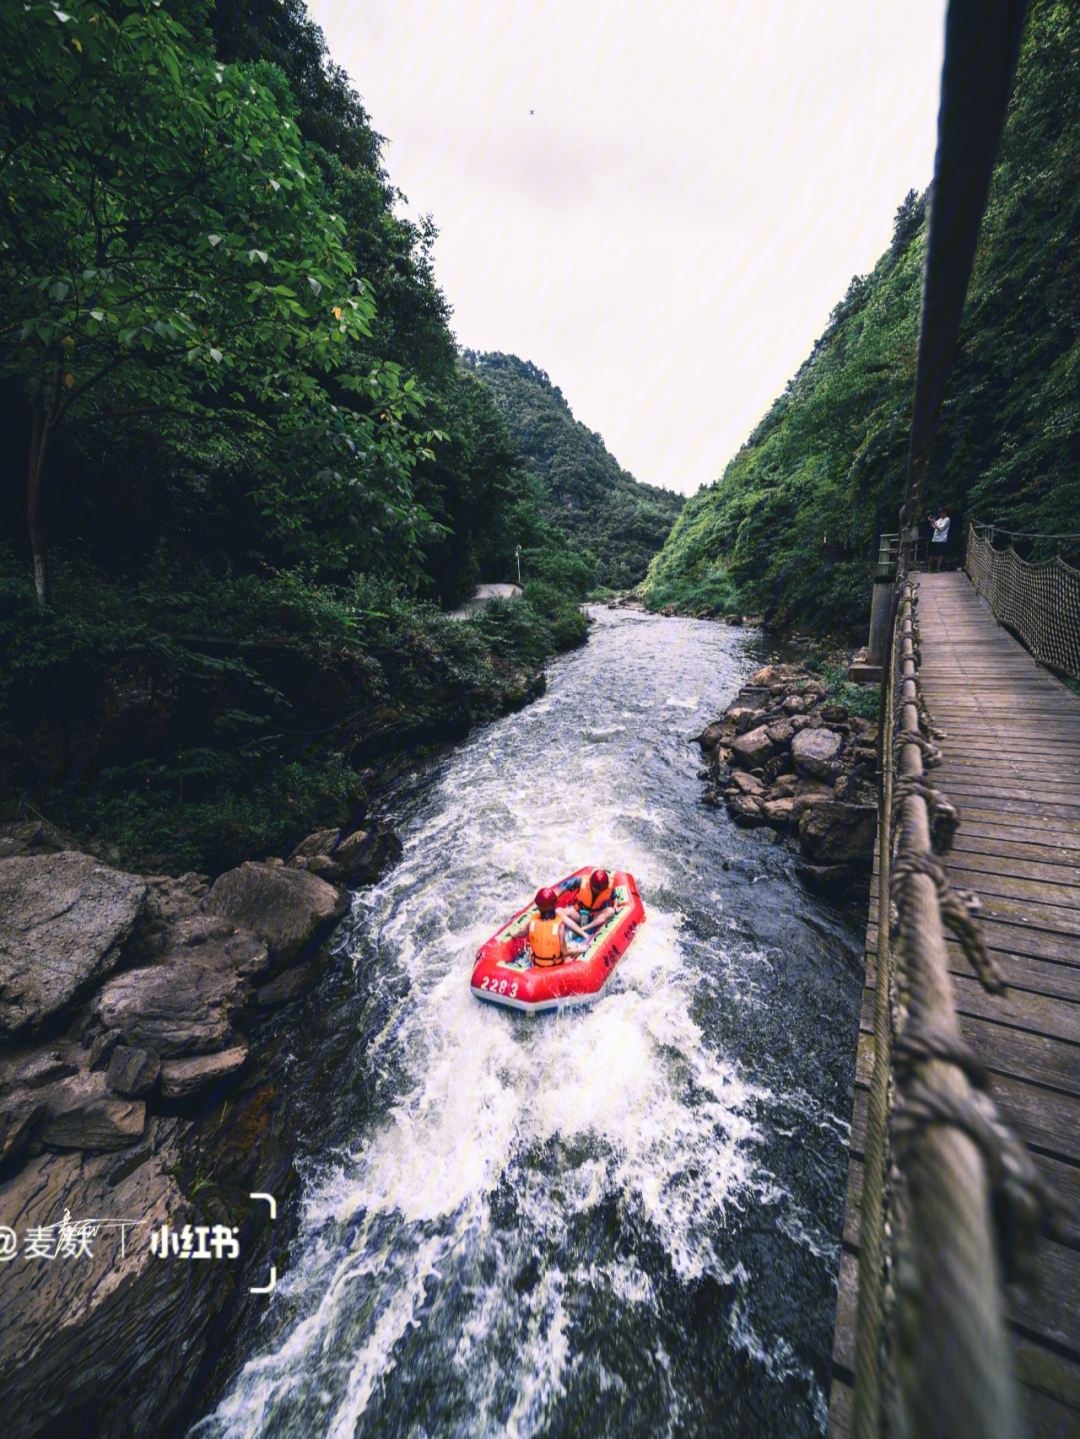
x: 616, y: 1221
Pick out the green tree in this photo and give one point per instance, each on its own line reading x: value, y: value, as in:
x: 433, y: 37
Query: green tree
x: 166, y: 250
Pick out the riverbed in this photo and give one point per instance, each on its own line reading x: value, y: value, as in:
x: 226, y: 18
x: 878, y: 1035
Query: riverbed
x: 618, y: 1221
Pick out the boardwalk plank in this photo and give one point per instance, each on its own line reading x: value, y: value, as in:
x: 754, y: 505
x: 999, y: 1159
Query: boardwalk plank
x: 1011, y: 762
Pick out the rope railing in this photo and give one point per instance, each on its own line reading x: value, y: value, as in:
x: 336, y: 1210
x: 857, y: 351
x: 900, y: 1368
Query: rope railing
x: 950, y: 1196
x: 1040, y: 602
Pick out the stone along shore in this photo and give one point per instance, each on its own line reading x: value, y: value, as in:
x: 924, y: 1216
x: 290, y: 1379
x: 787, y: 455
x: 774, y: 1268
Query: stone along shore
x: 782, y: 755
x: 136, y: 1091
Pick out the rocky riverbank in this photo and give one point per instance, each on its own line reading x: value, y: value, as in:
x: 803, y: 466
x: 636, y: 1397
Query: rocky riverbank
x: 782, y: 755
x: 141, y: 1075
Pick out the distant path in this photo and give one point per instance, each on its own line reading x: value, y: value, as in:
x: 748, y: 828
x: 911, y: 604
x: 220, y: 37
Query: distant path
x: 1011, y: 763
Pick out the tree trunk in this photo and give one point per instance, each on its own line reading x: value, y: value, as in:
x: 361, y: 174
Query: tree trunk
x: 46, y: 405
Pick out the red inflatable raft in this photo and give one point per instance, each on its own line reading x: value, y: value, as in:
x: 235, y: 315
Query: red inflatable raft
x: 504, y: 973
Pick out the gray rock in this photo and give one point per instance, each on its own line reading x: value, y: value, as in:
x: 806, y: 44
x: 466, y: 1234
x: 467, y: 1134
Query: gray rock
x: 107, y: 1335
x: 746, y: 810
x: 181, y: 1007
x: 793, y: 705
x: 289, y: 909
x: 753, y: 748
x: 829, y: 879
x: 836, y: 833
x: 747, y: 783
x: 84, y: 1115
x: 782, y: 732
x: 133, y: 1072
x: 66, y: 917
x: 815, y: 751
x: 33, y: 1068
x: 181, y: 1077
x: 20, y: 1118
x: 364, y: 856
x: 359, y: 858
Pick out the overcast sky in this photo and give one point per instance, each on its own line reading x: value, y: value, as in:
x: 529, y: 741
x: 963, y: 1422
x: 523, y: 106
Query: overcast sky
x: 659, y: 204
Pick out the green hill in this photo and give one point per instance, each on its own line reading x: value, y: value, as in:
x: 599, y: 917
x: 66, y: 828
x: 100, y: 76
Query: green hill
x: 618, y: 521
x: 791, y: 527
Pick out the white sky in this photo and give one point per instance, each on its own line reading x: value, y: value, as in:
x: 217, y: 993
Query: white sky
x: 667, y: 234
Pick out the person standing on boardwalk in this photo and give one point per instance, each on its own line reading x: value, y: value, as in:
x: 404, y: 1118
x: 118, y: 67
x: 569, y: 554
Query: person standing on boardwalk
x: 939, y: 540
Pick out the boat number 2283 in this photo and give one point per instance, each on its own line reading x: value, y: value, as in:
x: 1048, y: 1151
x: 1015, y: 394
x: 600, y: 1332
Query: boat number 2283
x: 499, y: 986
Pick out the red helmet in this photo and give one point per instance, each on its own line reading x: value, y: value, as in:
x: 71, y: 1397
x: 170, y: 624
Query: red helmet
x: 546, y: 898
x: 598, y: 880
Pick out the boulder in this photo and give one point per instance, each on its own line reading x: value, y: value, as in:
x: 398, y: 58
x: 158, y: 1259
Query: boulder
x: 33, y: 1068
x: 292, y: 984
x: 710, y: 736
x: 218, y: 944
x: 778, y: 812
x: 782, y: 732
x: 743, y: 717
x: 815, y: 752
x: 132, y: 1071
x: 84, y: 1115
x: 181, y: 1077
x: 66, y: 918
x: 836, y: 833
x: 745, y: 810
x: 20, y: 1118
x: 367, y: 854
x: 833, y: 714
x: 173, y: 1009
x: 747, y: 783
x: 801, y: 722
x: 359, y: 858
x: 830, y: 879
x: 793, y: 705
x: 289, y: 909
x: 753, y: 748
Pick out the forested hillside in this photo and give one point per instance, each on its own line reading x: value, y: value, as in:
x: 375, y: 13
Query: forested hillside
x: 791, y: 527
x: 243, y: 468
x: 617, y: 524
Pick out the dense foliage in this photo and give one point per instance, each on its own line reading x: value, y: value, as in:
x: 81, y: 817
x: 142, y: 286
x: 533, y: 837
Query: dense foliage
x: 237, y: 428
x: 616, y: 523
x: 792, y: 526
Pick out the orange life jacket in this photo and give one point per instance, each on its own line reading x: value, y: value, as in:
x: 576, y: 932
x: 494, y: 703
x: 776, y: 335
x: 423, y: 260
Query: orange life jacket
x: 545, y: 941
x: 591, y: 901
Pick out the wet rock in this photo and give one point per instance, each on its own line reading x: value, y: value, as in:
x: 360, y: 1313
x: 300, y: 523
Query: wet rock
x: 829, y: 879
x: 289, y: 909
x: 815, y: 751
x: 84, y: 1115
x: 182, y: 1077
x: 66, y: 918
x: 366, y: 855
x: 173, y: 1009
x: 838, y: 833
x: 292, y: 984
x: 711, y: 735
x: 746, y: 810
x: 133, y: 1072
x: 753, y: 748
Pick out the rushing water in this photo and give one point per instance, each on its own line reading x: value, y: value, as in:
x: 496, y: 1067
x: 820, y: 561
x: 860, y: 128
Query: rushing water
x: 623, y: 1220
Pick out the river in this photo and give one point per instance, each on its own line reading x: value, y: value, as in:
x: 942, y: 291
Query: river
x: 623, y: 1220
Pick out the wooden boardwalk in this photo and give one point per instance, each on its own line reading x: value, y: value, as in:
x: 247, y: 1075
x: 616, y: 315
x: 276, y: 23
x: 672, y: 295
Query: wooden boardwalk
x: 1011, y: 763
